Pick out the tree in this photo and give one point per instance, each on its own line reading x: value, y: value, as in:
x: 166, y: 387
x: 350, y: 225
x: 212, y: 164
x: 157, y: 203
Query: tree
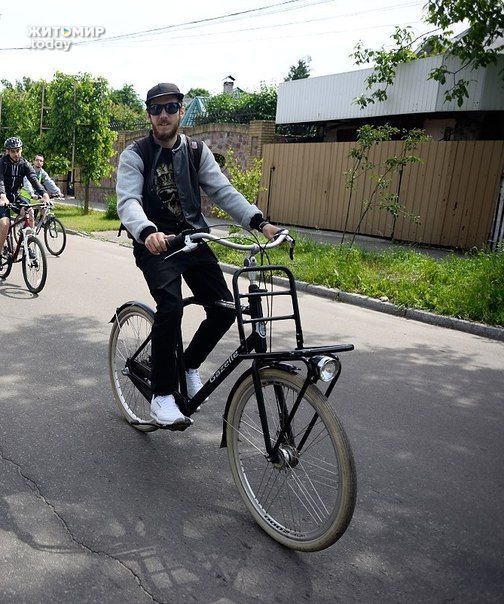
x: 193, y: 92
x: 380, y: 174
x: 478, y: 46
x: 128, y: 96
x: 21, y: 104
x: 78, y: 123
x: 299, y: 71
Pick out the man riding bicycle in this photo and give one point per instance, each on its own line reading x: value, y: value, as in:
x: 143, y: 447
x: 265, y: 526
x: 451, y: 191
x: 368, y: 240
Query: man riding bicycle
x: 44, y: 179
x: 13, y: 169
x: 158, y: 196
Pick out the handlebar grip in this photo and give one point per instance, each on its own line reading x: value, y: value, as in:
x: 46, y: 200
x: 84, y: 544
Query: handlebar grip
x: 175, y: 243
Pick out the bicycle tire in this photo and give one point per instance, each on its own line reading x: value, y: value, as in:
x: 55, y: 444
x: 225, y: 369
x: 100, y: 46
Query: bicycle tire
x: 34, y: 265
x: 306, y: 500
x: 131, y: 327
x: 55, y: 237
x: 6, y: 267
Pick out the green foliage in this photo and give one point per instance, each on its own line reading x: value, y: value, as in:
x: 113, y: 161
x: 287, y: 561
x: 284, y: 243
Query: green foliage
x: 128, y: 97
x: 111, y: 205
x: 123, y: 117
x: 381, y: 173
x: 224, y: 108
x: 247, y: 182
x: 127, y: 110
x: 299, y: 71
x: 478, y: 47
x: 21, y: 114
x: 194, y: 92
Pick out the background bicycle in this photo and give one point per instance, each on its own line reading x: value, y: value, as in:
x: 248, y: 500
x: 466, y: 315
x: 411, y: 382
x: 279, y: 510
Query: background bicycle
x: 23, y: 246
x: 55, y: 237
x: 289, y: 455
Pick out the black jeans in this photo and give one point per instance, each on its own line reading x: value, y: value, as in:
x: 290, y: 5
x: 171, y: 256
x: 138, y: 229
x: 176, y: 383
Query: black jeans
x: 204, y: 277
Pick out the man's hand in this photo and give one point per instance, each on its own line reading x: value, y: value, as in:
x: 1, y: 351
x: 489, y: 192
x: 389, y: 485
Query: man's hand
x: 270, y: 230
x: 46, y: 198
x: 3, y: 200
x: 156, y: 242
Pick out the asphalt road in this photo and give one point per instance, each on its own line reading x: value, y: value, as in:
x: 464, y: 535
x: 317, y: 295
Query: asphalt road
x: 93, y: 511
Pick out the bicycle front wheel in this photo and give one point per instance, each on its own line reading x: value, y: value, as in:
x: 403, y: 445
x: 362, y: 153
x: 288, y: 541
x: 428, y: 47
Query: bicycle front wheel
x: 35, y: 265
x: 131, y: 328
x: 5, y: 263
x: 54, y: 236
x: 304, y: 497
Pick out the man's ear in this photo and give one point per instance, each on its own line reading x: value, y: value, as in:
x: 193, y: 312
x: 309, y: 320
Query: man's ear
x: 182, y: 110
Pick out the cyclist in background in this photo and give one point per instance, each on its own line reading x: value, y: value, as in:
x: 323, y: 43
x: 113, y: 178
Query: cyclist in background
x: 13, y: 169
x: 43, y: 177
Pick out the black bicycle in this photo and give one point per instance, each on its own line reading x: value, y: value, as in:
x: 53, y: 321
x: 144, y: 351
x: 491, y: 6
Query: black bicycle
x: 289, y: 454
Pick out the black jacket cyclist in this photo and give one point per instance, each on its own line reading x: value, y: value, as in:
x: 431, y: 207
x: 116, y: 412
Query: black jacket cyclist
x: 13, y: 169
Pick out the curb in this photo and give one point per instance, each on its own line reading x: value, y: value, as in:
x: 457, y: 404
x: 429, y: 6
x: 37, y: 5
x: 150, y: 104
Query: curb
x: 423, y: 316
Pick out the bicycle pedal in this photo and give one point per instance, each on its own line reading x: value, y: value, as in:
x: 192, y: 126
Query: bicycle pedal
x: 179, y: 426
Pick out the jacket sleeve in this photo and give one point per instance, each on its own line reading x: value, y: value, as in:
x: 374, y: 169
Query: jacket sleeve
x: 28, y: 187
x: 129, y: 188
x: 2, y: 183
x: 32, y: 178
x: 215, y: 184
x: 49, y: 185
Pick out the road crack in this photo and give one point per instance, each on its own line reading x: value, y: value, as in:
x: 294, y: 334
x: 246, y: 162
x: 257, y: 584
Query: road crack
x: 34, y: 487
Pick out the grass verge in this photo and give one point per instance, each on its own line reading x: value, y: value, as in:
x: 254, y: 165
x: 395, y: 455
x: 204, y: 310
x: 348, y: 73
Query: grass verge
x: 468, y: 287
x: 74, y: 218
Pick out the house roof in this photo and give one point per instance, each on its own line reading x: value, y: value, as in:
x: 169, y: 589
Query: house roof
x: 193, y: 107
x: 331, y: 97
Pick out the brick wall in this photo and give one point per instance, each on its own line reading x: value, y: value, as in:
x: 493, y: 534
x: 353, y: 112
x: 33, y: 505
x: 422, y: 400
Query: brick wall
x: 246, y: 140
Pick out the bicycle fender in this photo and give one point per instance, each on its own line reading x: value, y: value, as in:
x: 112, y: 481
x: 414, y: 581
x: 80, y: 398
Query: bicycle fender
x: 285, y: 366
x: 143, y: 306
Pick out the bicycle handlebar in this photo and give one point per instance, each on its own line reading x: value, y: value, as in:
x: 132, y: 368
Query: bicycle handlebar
x: 187, y: 242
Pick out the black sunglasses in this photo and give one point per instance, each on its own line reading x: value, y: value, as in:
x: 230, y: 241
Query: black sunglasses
x: 155, y: 109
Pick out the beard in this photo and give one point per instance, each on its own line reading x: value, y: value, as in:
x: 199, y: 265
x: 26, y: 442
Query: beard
x: 165, y: 131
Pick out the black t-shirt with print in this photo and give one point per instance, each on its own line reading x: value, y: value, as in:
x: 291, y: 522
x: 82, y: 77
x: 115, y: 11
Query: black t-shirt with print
x: 165, y: 211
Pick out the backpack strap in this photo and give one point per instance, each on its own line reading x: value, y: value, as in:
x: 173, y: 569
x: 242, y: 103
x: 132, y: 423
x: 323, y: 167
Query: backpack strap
x: 195, y: 151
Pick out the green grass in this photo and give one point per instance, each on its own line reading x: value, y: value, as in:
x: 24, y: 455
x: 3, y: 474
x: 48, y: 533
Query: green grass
x: 469, y: 286
x: 74, y: 218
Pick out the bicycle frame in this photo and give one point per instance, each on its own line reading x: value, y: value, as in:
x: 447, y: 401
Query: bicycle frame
x: 23, y: 240
x: 252, y: 347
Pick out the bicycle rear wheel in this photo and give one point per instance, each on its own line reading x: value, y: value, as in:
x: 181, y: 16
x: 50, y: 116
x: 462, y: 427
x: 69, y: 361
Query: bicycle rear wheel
x: 34, y: 265
x: 54, y: 236
x: 131, y: 328
x: 305, y: 498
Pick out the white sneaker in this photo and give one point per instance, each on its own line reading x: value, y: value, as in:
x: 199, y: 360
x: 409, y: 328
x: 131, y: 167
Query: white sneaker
x: 194, y: 383
x: 165, y: 411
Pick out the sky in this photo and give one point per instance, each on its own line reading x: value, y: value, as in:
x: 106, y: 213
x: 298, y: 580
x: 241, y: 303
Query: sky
x: 194, y: 43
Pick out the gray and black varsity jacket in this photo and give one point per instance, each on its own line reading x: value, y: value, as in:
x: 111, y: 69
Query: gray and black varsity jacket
x: 135, y: 186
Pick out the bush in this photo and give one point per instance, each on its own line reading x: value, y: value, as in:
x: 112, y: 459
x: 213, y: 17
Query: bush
x: 247, y: 182
x: 111, y: 203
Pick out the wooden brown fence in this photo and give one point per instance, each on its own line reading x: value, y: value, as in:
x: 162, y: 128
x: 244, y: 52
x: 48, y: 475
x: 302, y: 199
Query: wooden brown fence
x: 454, y: 190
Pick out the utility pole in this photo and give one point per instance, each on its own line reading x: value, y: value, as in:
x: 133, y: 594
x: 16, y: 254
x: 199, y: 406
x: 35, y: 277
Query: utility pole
x: 71, y: 184
x: 42, y: 109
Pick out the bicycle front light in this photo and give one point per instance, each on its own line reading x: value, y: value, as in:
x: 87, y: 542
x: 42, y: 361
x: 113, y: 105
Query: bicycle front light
x: 325, y: 367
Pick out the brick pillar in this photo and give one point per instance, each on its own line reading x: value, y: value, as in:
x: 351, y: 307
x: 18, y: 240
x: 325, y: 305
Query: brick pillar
x: 261, y: 132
